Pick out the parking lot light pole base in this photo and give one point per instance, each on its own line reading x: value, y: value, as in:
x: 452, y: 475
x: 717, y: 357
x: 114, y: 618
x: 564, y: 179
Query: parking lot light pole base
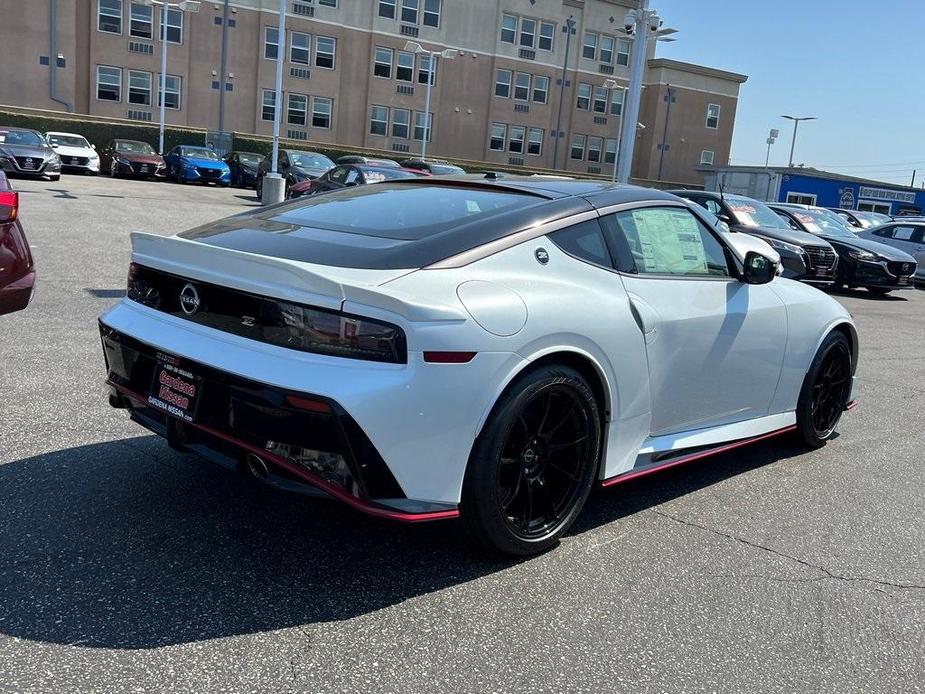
x: 274, y: 189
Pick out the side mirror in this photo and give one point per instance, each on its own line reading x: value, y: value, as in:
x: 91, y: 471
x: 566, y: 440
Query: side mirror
x: 54, y: 146
x: 93, y: 146
x: 758, y: 268
x: 725, y: 218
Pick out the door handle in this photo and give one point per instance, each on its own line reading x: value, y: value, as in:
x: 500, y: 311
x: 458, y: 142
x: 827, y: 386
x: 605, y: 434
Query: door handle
x: 646, y: 317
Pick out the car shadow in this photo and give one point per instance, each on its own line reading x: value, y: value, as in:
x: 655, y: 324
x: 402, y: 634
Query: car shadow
x: 248, y: 198
x: 864, y: 294
x: 128, y: 544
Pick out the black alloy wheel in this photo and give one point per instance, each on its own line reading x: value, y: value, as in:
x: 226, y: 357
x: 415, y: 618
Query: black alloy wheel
x: 533, y: 465
x: 825, y: 392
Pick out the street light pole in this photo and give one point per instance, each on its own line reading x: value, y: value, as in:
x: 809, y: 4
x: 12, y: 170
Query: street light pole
x: 273, y: 188
x: 793, y: 143
x: 449, y: 54
x: 569, y: 29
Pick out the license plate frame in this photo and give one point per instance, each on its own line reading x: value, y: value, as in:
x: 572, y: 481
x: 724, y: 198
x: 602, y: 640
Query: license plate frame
x: 175, y: 388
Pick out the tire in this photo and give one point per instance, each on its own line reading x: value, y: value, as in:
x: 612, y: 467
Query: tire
x: 54, y: 179
x: 524, y: 461
x: 825, y: 391
x: 879, y: 291
x: 258, y: 187
x: 112, y: 170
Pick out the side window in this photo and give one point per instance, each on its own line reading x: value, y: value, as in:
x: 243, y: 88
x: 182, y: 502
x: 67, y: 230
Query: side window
x: 352, y: 176
x: 667, y: 241
x: 918, y: 236
x: 584, y: 241
x: 338, y: 175
x: 903, y: 233
x: 714, y: 207
x: 885, y: 232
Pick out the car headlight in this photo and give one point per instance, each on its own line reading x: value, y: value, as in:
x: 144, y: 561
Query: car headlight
x: 858, y: 254
x: 55, y: 159
x: 783, y: 246
x: 94, y: 157
x: 120, y: 160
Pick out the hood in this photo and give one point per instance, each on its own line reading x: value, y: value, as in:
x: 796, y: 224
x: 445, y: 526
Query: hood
x: 880, y: 249
x: 204, y: 162
x: 798, y: 238
x: 310, y: 172
x: 138, y: 158
x: 34, y: 151
x: 65, y: 151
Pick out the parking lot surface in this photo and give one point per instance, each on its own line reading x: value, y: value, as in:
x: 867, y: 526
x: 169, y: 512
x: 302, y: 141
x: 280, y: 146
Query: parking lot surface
x: 127, y: 567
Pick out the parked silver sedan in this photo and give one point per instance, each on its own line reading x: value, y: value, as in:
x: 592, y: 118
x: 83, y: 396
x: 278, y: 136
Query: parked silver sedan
x: 908, y: 236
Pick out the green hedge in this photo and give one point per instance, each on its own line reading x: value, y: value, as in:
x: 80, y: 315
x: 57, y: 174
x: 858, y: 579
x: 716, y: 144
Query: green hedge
x: 101, y: 132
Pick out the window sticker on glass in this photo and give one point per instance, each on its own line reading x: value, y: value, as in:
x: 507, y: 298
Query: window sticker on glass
x: 352, y: 176
x: 472, y: 207
x: 374, y: 177
x: 808, y: 222
x: 745, y: 213
x: 903, y: 233
x: 669, y: 242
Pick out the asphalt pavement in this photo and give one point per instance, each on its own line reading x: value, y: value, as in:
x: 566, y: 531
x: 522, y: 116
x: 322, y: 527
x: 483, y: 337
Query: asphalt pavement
x: 127, y: 567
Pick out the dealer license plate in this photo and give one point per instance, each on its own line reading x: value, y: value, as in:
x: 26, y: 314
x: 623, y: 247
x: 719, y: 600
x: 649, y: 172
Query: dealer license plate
x: 175, y: 389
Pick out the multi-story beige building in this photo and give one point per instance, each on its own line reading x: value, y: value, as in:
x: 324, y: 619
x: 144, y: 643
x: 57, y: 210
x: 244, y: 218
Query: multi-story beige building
x: 349, y: 80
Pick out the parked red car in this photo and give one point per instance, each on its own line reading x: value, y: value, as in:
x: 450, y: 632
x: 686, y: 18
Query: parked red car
x: 132, y: 158
x: 17, y: 270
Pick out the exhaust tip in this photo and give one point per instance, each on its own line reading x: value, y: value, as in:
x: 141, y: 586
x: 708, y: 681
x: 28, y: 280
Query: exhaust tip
x: 256, y: 466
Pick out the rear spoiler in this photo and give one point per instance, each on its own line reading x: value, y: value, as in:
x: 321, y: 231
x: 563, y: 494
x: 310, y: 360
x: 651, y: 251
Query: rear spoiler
x: 304, y: 283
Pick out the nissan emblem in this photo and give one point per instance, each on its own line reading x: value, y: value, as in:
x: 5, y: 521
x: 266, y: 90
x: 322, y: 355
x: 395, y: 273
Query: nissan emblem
x: 189, y: 299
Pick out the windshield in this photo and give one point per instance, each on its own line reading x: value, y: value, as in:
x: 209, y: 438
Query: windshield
x: 821, y: 222
x: 133, y: 147
x: 752, y: 213
x: 249, y: 158
x: 872, y: 218
x: 310, y: 160
x: 445, y: 169
x: 21, y: 137
x: 198, y: 152
x: 67, y: 140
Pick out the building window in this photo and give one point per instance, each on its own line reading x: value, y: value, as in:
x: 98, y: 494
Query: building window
x: 527, y: 32
x: 600, y: 100
x: 383, y: 64
x: 328, y: 3
x: 325, y: 49
x: 139, y: 88
x: 108, y: 83
x: 387, y: 9
x: 268, y: 110
x: 322, y: 107
x: 623, y: 52
x: 589, y: 50
x: 141, y: 23
x: 535, y: 142
x: 419, y: 126
x: 547, y: 36
x: 401, y: 122
x: 578, y: 147
x: 706, y: 157
x: 270, y: 43
x: 498, y: 135
x: 109, y: 16
x: 522, y: 86
x: 810, y: 199
x: 616, y: 101
x: 540, y: 89
x: 508, y: 28
x: 515, y: 143
x: 404, y: 71
x: 610, y: 151
x: 379, y: 120
x: 503, y: 83
x: 409, y: 11
x: 300, y: 48
x: 432, y: 13
x: 298, y: 107
x: 607, y: 43
x: 584, y: 97
x: 713, y: 116
x: 594, y: 148
x: 424, y: 68
x: 172, y: 84
x: 175, y: 26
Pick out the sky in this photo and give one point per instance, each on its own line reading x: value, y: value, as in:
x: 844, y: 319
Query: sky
x: 859, y: 67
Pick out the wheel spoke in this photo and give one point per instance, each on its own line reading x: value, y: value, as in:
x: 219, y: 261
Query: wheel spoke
x: 559, y: 447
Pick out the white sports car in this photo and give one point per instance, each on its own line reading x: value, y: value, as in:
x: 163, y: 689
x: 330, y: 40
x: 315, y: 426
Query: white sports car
x: 488, y: 348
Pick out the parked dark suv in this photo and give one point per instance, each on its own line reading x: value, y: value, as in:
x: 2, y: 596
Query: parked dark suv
x: 294, y: 166
x: 17, y: 271
x: 804, y: 256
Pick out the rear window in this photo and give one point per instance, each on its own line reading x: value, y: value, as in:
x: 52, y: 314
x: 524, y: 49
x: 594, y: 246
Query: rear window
x: 399, y: 212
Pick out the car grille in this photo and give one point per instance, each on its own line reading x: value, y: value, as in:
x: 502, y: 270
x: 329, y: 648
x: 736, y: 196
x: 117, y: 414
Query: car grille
x: 74, y: 161
x: 820, y: 258
x: 209, y: 173
x: 33, y: 163
x: 142, y: 167
x: 900, y: 269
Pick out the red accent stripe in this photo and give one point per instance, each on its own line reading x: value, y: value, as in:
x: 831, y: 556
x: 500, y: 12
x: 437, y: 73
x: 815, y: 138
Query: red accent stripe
x: 632, y: 474
x: 851, y: 405
x: 309, y: 477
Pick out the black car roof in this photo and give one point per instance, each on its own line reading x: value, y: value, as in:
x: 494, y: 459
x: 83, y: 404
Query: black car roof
x: 13, y: 129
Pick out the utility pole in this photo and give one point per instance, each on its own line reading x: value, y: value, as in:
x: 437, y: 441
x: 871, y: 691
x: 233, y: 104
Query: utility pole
x: 661, y: 156
x: 569, y: 29
x: 221, y: 86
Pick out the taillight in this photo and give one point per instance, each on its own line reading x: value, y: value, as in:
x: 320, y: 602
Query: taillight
x: 140, y: 290
x: 9, y: 205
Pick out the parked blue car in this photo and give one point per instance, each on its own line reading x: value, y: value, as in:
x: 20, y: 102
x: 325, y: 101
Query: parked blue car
x: 186, y: 163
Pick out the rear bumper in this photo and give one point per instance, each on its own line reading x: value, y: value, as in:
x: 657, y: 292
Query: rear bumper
x: 301, y: 436
x: 17, y: 295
